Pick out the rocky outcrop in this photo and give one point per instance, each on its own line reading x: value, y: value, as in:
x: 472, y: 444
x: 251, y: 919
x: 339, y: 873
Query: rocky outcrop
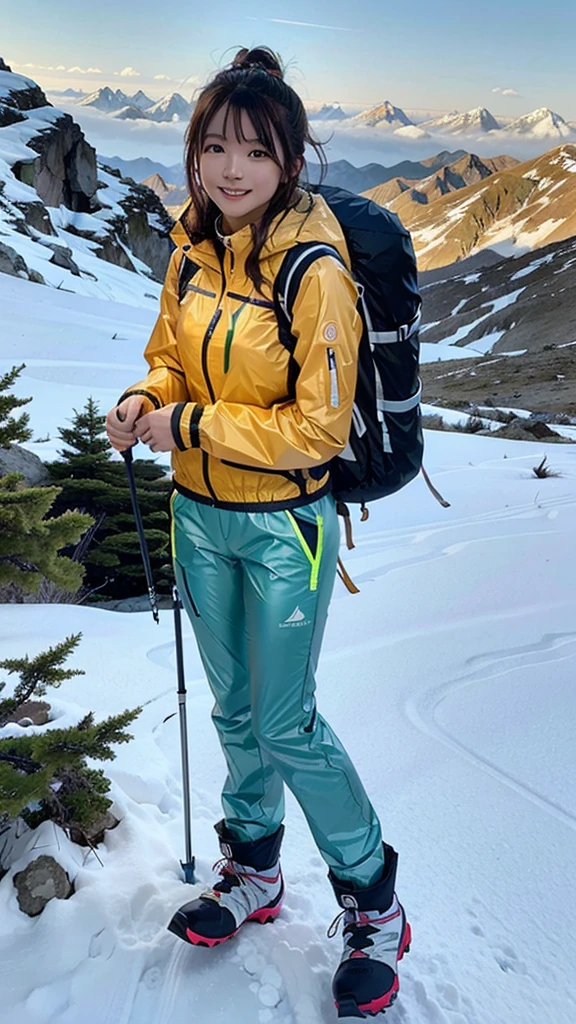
x: 51, y: 156
x: 64, y: 172
x: 22, y: 95
x: 16, y: 459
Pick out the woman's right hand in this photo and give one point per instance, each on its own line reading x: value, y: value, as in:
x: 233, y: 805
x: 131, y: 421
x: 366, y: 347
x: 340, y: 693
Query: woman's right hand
x: 120, y: 422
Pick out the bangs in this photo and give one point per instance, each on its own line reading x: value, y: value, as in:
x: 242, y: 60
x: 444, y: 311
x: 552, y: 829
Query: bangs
x: 260, y: 112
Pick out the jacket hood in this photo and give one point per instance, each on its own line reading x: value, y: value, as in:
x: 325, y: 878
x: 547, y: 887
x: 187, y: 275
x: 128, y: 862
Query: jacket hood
x: 311, y: 220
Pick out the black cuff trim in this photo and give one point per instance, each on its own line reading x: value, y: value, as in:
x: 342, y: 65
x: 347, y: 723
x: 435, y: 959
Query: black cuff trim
x: 175, y: 425
x: 146, y: 394
x: 194, y: 426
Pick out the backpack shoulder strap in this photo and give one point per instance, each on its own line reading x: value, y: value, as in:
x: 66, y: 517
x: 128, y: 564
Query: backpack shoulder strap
x: 296, y: 262
x: 186, y: 271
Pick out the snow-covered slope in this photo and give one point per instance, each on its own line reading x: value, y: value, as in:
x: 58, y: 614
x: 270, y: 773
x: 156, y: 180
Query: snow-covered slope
x: 450, y: 680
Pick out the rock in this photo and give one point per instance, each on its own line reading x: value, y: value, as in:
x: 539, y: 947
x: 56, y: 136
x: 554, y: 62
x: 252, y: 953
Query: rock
x: 8, y: 115
x: 4, y: 66
x: 64, y: 172
x: 113, y: 252
x: 95, y: 833
x: 525, y: 430
x: 35, y: 216
x: 11, y: 262
x: 63, y: 258
x: 43, y: 880
x: 31, y: 712
x: 16, y: 459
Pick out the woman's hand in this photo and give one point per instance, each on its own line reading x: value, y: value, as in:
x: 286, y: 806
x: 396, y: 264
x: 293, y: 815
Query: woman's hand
x: 120, y: 423
x: 154, y: 429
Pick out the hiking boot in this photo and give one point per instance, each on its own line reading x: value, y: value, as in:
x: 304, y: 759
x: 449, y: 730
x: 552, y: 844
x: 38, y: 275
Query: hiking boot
x: 376, y: 936
x: 251, y: 888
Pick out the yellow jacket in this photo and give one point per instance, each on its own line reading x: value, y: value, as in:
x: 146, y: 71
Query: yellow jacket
x: 241, y: 441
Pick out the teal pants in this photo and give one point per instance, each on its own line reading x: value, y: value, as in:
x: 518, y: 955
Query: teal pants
x: 256, y: 587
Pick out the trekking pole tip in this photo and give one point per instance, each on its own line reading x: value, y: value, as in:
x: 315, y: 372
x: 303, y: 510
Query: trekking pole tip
x: 189, y: 869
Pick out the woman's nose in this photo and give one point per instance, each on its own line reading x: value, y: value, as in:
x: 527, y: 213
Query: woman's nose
x: 233, y: 168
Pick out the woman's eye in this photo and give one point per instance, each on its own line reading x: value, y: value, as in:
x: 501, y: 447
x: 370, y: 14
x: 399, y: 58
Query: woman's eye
x: 212, y: 145
x: 259, y: 152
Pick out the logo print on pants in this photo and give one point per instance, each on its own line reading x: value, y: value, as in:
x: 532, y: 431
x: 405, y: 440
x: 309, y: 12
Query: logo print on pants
x: 296, y: 619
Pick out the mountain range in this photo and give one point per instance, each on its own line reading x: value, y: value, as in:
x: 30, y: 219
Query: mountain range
x: 512, y: 211
x: 539, y: 124
x: 116, y: 103
x: 542, y: 123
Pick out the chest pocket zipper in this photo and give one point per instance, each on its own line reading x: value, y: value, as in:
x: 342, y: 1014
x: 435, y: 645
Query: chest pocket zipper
x: 230, y: 337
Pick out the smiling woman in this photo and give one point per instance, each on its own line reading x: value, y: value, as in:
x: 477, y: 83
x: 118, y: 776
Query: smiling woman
x: 253, y: 425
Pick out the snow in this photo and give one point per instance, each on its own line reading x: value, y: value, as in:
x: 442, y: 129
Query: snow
x: 10, y: 83
x: 472, y: 683
x: 73, y: 346
x: 481, y: 345
x: 532, y: 267
x: 486, y: 343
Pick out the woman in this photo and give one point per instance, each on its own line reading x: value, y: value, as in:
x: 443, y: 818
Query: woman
x: 252, y: 428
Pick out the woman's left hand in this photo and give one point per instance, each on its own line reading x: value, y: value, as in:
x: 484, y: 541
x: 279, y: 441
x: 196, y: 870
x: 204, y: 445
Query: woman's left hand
x: 154, y: 429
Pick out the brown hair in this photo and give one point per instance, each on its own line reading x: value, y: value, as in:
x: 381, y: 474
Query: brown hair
x: 254, y: 83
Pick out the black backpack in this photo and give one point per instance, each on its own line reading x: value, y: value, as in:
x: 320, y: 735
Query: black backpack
x: 385, y: 446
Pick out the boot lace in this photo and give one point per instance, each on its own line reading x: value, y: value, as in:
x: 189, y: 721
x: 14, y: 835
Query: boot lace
x: 357, y: 928
x: 232, y: 876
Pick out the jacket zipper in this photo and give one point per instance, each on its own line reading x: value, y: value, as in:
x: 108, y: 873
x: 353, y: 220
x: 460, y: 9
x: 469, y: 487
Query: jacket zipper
x: 205, y: 343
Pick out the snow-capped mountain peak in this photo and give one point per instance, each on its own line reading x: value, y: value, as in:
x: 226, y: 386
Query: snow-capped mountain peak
x: 329, y: 112
x: 384, y: 113
x: 541, y: 123
x: 172, y: 107
x: 106, y: 99
x: 477, y: 120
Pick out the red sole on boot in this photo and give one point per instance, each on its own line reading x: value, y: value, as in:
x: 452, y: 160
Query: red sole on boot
x: 377, y: 1005
x: 263, y: 916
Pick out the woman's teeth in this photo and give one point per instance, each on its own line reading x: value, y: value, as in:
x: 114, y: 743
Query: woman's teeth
x: 234, y: 192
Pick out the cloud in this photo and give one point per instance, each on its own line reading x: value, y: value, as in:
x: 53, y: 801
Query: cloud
x: 60, y: 67
x: 128, y: 73
x: 162, y: 78
x: 306, y: 24
x: 507, y: 92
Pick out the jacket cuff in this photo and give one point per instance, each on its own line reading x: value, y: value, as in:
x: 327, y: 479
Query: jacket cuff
x: 184, y: 424
x: 154, y: 402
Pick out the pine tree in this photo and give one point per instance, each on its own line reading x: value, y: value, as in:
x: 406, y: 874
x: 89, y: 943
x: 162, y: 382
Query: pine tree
x: 92, y: 482
x: 45, y: 776
x: 30, y: 544
x: 11, y: 428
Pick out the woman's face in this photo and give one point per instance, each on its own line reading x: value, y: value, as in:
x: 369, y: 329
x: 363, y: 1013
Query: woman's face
x: 240, y: 177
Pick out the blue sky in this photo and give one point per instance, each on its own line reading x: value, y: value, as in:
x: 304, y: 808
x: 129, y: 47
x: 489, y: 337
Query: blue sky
x: 431, y: 55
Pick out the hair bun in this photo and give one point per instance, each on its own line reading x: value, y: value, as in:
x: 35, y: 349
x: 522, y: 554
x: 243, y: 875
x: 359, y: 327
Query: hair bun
x: 261, y: 57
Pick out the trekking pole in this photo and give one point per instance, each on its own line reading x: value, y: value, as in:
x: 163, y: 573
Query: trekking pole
x: 127, y: 456
x: 188, y: 865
